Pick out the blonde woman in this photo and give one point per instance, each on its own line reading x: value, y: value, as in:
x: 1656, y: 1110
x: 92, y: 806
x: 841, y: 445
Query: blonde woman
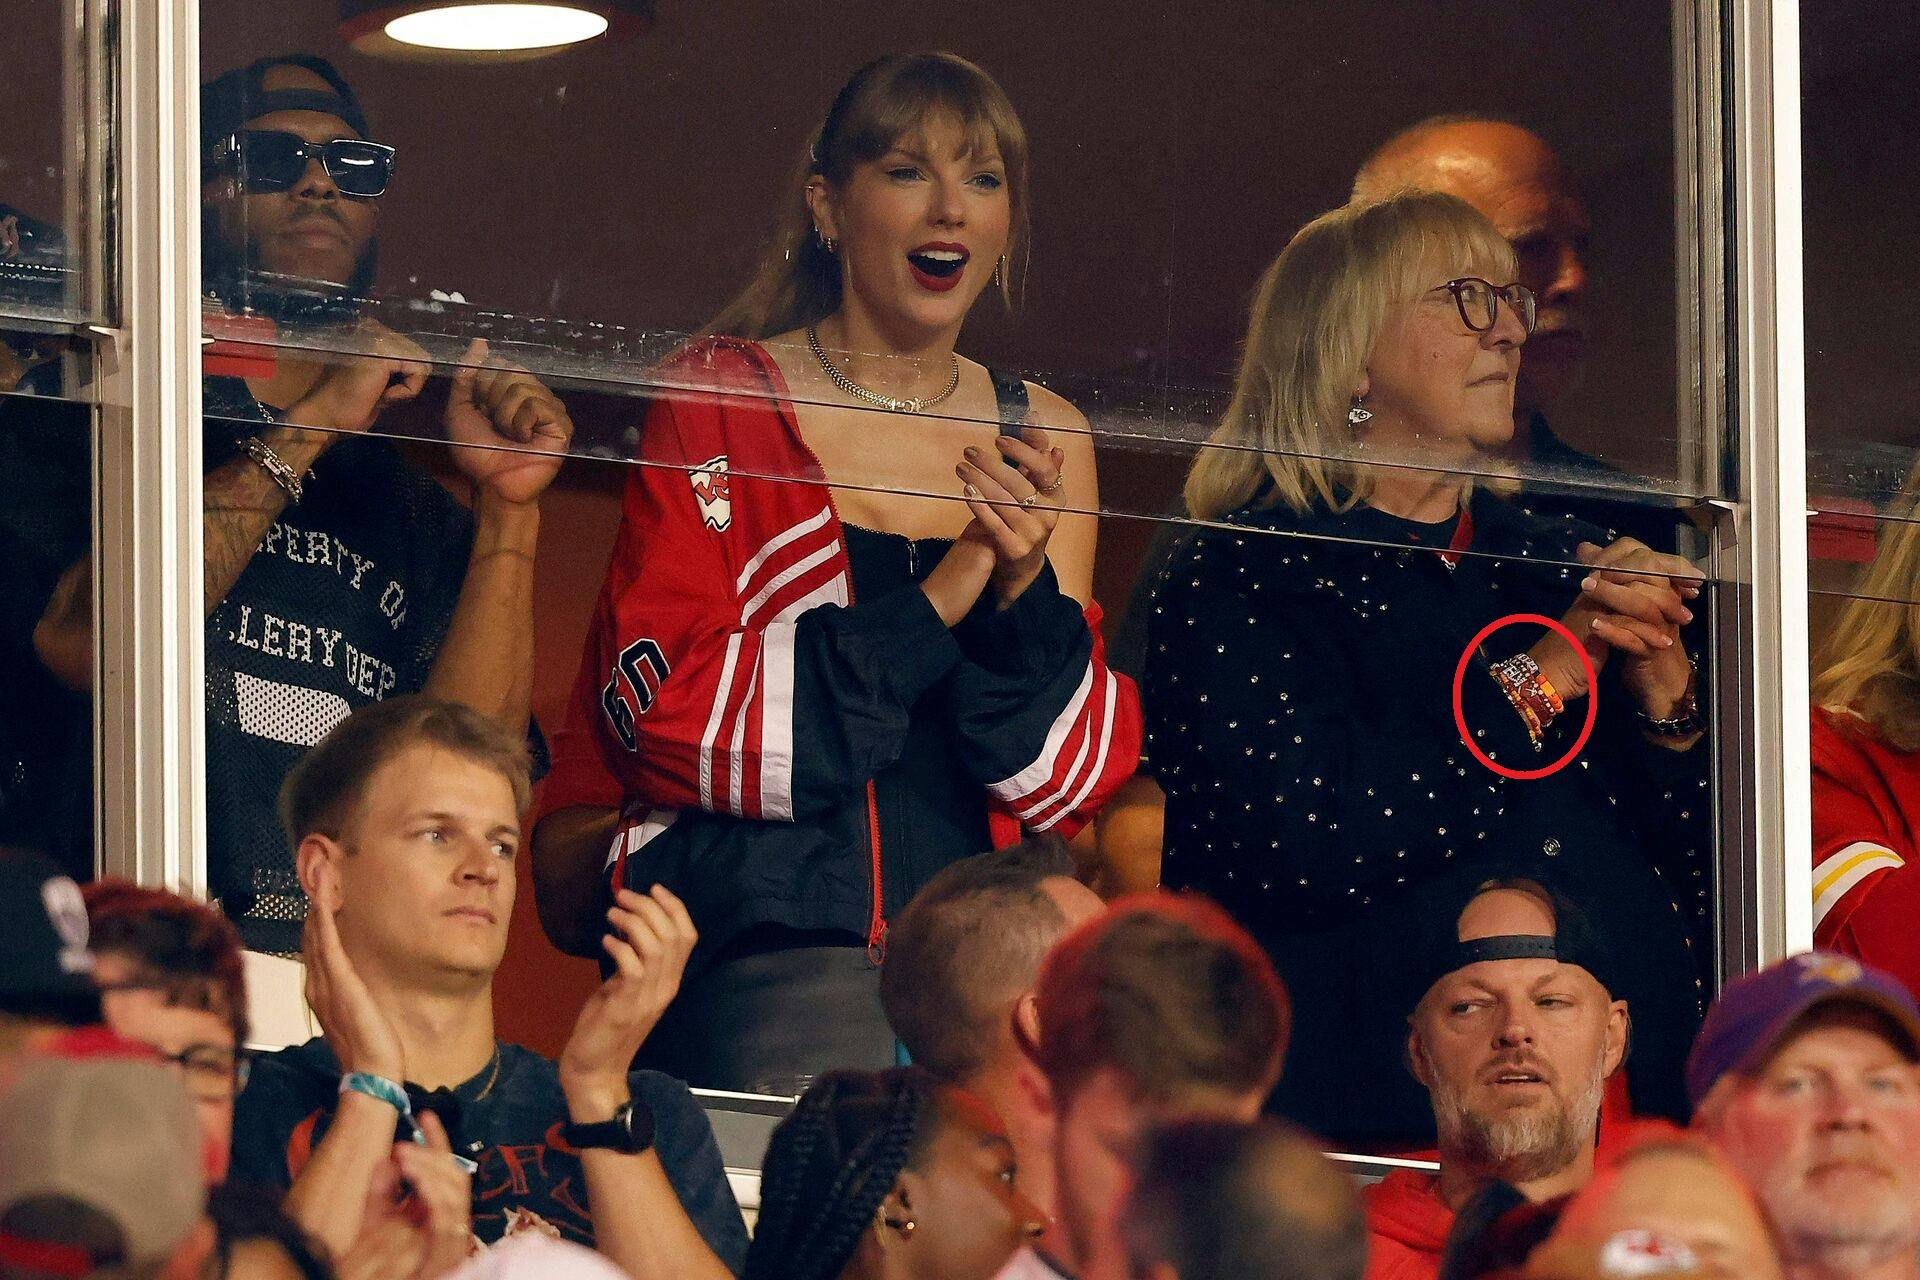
x: 845, y: 638
x: 1866, y: 759
x: 1301, y: 656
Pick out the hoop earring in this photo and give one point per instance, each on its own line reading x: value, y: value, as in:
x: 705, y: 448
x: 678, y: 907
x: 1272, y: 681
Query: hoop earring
x: 1358, y: 413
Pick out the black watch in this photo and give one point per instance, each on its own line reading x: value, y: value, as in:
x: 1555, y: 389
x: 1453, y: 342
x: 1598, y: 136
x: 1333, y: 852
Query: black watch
x: 630, y: 1132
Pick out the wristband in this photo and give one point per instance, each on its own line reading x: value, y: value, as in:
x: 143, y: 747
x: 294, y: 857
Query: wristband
x: 1530, y: 692
x: 385, y: 1090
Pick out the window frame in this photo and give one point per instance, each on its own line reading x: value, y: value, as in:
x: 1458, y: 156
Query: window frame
x: 1741, y: 341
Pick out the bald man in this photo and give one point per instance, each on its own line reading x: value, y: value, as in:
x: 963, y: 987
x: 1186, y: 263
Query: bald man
x: 1513, y: 177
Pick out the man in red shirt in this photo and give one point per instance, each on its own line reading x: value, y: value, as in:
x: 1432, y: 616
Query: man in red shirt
x: 1514, y: 1039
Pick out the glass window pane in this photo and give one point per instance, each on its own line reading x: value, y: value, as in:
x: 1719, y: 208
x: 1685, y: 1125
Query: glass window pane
x: 759, y: 662
x: 1862, y: 447
x: 49, y: 203
x: 50, y: 219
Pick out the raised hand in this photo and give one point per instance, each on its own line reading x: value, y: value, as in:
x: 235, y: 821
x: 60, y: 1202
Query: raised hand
x: 1011, y: 494
x: 1632, y: 605
x: 519, y: 429
x: 383, y: 369
x: 650, y: 937
x: 1644, y: 629
x: 355, y: 1026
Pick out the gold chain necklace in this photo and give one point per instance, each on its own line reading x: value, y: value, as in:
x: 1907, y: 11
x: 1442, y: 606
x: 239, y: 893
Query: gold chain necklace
x: 493, y: 1076
x: 859, y: 392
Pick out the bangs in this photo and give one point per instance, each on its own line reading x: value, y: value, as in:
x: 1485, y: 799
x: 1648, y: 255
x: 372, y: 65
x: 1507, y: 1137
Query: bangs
x: 1435, y: 244
x: 926, y: 90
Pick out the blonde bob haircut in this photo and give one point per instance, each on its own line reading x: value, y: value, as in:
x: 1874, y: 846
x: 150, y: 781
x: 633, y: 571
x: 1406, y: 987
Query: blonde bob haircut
x: 1315, y: 316
x: 1869, y: 665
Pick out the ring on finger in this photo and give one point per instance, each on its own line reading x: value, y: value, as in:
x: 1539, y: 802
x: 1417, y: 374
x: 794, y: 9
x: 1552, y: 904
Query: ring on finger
x: 1032, y: 498
x: 970, y: 492
x: 1059, y: 479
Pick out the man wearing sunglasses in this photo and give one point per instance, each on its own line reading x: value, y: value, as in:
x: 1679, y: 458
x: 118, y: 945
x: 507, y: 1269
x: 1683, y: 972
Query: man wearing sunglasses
x: 338, y: 572
x: 292, y: 185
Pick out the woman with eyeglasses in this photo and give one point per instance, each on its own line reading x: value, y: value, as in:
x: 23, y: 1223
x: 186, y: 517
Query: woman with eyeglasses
x: 888, y: 1176
x: 846, y: 635
x: 1301, y: 665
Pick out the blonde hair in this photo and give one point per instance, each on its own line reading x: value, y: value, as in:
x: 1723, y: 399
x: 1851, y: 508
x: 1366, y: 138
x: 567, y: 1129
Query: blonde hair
x: 798, y: 280
x: 1869, y: 665
x: 1315, y: 316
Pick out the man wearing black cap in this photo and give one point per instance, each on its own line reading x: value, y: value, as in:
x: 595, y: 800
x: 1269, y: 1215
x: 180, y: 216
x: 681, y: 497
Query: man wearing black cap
x: 337, y: 573
x: 46, y: 968
x: 1805, y: 1076
x: 1514, y: 1039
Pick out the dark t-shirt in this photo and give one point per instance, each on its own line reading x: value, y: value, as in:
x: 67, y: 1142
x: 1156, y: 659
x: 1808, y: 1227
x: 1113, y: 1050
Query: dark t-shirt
x: 345, y: 602
x: 509, y: 1123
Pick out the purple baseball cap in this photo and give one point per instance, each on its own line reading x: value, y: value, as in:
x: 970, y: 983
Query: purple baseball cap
x: 1747, y: 1022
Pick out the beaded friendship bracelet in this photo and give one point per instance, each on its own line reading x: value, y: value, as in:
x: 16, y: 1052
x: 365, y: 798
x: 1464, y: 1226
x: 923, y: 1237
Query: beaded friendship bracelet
x: 1531, y: 693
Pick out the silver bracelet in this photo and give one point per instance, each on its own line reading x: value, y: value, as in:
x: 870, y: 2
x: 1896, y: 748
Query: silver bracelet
x: 275, y: 466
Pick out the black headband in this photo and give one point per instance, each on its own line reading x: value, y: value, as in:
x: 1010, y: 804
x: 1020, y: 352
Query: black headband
x: 1510, y: 946
x: 1574, y: 940
x: 1450, y: 957
x: 227, y: 103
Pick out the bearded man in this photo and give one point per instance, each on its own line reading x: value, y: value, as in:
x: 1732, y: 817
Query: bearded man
x: 1514, y: 1039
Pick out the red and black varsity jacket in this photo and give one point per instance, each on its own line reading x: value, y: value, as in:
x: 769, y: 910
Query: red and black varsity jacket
x: 735, y: 701
x: 1866, y: 832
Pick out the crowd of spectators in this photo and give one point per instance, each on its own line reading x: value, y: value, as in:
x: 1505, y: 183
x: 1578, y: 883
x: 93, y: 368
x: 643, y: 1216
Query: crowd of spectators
x: 823, y: 804
x: 1095, y: 1106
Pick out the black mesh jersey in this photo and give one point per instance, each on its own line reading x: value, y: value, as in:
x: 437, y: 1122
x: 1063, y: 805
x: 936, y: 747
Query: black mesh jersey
x: 345, y: 602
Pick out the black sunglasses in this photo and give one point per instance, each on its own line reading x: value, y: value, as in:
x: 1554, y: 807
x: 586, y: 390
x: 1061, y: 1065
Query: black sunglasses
x: 273, y: 160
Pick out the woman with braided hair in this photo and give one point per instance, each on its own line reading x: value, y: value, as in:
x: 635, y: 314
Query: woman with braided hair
x: 887, y: 1175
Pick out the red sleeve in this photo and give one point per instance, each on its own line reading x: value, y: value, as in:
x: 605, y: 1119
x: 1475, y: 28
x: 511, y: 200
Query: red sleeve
x: 1067, y: 765
x: 1864, y: 897
x: 725, y: 668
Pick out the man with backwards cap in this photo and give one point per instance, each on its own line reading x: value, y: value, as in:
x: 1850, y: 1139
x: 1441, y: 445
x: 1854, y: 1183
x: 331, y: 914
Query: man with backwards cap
x: 1514, y: 1038
x: 1804, y: 1076
x: 337, y: 573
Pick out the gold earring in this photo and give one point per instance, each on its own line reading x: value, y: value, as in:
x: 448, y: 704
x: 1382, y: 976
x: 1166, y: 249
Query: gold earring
x: 998, y: 271
x: 905, y: 1226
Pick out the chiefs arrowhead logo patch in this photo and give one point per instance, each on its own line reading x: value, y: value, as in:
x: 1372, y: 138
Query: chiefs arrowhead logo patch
x: 712, y: 489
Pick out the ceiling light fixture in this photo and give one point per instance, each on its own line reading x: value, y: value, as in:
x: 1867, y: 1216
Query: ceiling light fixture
x: 484, y: 30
